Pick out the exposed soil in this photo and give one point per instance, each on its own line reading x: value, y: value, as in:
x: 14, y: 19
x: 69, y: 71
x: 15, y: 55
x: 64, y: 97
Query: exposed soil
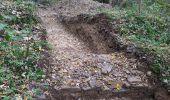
x: 75, y: 7
x: 87, y: 63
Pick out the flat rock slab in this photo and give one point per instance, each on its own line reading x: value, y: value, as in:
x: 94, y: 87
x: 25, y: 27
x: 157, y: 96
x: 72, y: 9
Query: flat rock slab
x: 105, y: 67
x: 134, y: 79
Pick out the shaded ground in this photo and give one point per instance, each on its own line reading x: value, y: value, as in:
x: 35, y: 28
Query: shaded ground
x: 86, y: 62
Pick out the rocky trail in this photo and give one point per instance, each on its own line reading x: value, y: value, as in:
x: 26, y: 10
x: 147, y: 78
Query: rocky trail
x: 86, y: 63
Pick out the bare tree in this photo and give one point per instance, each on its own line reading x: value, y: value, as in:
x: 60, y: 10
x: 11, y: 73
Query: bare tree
x: 139, y: 2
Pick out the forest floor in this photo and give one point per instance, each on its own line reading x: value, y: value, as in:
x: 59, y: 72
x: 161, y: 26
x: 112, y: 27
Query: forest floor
x: 85, y: 64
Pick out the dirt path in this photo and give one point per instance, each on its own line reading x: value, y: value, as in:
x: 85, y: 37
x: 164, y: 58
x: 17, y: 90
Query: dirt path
x: 83, y: 60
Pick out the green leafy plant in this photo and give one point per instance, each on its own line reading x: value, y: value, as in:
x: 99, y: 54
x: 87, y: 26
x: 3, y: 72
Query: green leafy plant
x: 20, y: 47
x: 149, y: 29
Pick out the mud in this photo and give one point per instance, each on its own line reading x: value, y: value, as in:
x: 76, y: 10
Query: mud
x: 94, y: 31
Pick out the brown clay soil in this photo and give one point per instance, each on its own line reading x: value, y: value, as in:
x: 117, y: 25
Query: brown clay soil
x: 86, y: 63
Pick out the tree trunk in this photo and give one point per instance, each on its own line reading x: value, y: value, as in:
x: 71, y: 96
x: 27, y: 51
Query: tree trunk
x: 120, y: 3
x: 139, y: 2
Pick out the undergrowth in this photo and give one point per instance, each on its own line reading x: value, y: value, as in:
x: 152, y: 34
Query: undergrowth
x: 46, y: 2
x: 149, y: 29
x: 20, y: 49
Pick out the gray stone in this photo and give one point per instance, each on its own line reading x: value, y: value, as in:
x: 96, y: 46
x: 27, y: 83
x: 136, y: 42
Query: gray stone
x: 105, y: 67
x: 41, y: 97
x: 136, y: 72
x: 92, y: 82
x: 130, y: 49
x: 85, y: 74
x: 149, y: 73
x: 86, y: 88
x: 127, y: 71
x: 118, y: 74
x: 134, y: 79
x: 53, y: 76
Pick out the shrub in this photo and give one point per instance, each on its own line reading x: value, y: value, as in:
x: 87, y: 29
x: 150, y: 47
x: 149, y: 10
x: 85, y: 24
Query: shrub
x: 18, y: 54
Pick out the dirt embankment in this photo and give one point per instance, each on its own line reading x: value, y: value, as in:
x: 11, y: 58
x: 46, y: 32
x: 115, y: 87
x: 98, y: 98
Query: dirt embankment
x: 90, y: 61
x: 73, y: 8
x: 92, y: 30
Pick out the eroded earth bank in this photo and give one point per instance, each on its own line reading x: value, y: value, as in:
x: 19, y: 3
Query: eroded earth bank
x: 89, y: 61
